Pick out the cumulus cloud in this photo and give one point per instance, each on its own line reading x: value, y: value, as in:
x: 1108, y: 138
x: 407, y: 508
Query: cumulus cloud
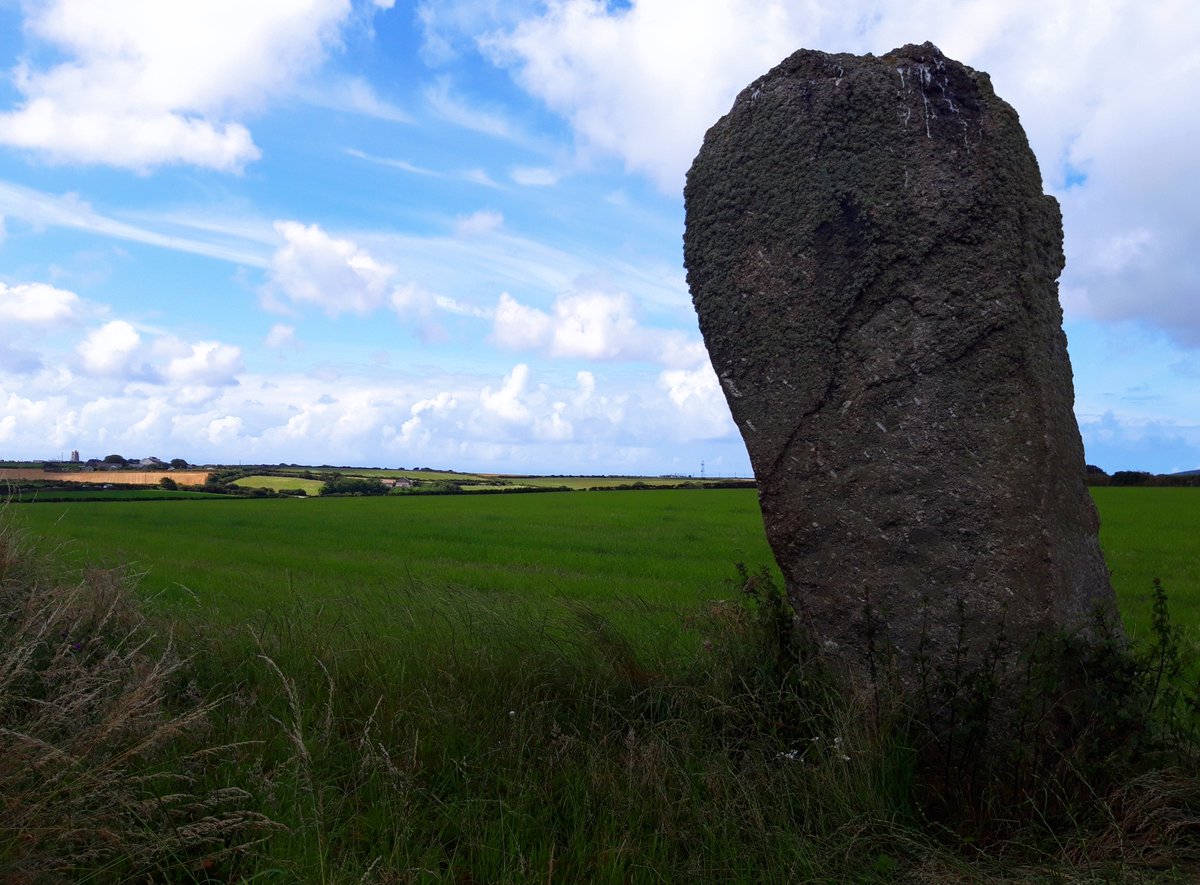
x: 37, y: 303
x: 505, y: 402
x: 521, y: 417
x: 110, y: 349
x: 1115, y: 443
x: 316, y: 269
x: 519, y: 327
x: 590, y: 324
x: 145, y: 84
x: 1120, y: 161
x: 678, y: 70
x: 117, y: 351
x: 594, y: 325
x: 699, y: 402
x: 415, y: 430
x: 207, y: 363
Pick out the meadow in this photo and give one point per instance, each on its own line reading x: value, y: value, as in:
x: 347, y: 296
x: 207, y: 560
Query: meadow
x: 281, y: 483
x: 532, y: 688
x: 666, y: 547
x: 118, y: 493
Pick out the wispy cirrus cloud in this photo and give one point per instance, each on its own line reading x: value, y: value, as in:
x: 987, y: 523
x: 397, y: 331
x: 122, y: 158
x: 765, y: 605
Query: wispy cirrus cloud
x: 70, y: 211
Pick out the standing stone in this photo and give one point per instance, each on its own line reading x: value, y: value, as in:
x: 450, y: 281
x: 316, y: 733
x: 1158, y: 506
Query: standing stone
x: 875, y: 267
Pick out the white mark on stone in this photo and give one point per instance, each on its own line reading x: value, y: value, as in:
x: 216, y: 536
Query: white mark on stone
x: 881, y: 427
x: 730, y: 386
x: 750, y: 424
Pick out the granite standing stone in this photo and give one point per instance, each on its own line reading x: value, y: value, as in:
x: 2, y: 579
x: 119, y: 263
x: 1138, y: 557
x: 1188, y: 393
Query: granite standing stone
x: 875, y: 267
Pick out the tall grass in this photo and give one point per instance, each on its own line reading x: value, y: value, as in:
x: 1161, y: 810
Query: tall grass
x: 485, y: 740
x: 93, y: 715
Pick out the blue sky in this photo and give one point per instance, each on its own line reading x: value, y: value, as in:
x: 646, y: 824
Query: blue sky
x: 449, y: 234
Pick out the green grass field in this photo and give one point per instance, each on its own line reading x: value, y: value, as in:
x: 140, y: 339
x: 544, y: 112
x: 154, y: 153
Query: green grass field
x: 279, y: 483
x: 1149, y: 533
x: 44, y: 496
x: 667, y: 547
x: 521, y: 688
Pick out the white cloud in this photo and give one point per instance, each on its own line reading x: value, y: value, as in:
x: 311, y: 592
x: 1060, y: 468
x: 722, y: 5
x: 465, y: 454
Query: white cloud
x: 394, y: 163
x: 645, y: 82
x: 505, y: 402
x: 518, y: 327
x: 280, y: 335
x: 208, y: 363
x: 224, y: 431
x: 411, y: 300
x: 37, y: 303
x: 110, y: 349
x: 594, y: 325
x: 314, y: 268
x: 151, y: 364
x: 485, y: 221
x: 448, y: 29
x: 591, y: 324
x: 414, y: 430
x: 144, y: 84
x: 356, y: 95
x: 453, y: 109
x: 699, y: 402
x: 237, y: 243
x: 534, y: 176
x: 514, y: 421
x: 1120, y: 158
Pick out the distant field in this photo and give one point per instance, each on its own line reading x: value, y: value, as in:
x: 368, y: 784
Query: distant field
x: 664, y: 546
x: 380, y: 473
x: 111, y: 477
x: 500, y: 480
x: 598, y: 482
x: 277, y: 483
x: 43, y: 496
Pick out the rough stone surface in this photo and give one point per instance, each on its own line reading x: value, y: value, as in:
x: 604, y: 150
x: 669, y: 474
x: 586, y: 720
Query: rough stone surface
x: 875, y: 267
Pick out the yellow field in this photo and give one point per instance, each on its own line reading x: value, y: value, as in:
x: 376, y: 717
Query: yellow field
x: 109, y: 477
